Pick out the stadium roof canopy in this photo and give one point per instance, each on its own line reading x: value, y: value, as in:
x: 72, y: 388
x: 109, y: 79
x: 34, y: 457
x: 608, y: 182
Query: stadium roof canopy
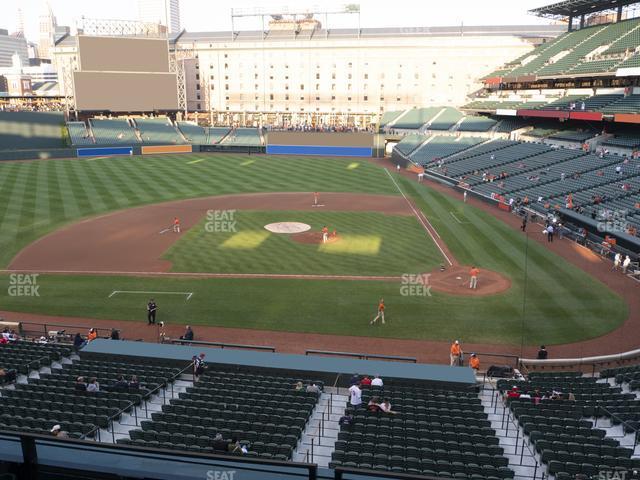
x: 575, y: 8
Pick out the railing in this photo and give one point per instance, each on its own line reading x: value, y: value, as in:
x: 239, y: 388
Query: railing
x: 177, y: 341
x: 362, y: 356
x: 339, y: 471
x: 515, y: 359
x: 623, y: 422
x: 30, y: 443
x: 504, y: 424
x: 591, y: 363
x: 42, y: 329
x: 132, y: 405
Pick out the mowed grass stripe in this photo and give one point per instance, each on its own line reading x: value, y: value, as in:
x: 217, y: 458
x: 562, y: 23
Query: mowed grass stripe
x: 69, y: 204
x: 95, y: 200
x: 81, y: 196
x: 108, y: 190
x: 42, y: 211
x: 11, y: 218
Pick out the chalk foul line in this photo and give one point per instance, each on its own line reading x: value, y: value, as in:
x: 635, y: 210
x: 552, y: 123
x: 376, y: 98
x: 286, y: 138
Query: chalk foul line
x: 424, y: 221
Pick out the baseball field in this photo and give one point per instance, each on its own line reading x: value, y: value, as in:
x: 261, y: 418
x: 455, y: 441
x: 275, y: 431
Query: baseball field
x: 98, y: 234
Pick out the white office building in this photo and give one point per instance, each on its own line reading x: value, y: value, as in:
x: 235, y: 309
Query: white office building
x: 164, y: 12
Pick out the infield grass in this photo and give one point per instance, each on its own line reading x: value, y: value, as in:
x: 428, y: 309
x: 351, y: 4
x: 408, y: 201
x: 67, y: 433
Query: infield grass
x: 368, y: 244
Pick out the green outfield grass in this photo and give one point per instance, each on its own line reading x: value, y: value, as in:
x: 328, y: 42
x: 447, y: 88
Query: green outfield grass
x: 369, y: 244
x: 37, y: 197
x: 562, y: 303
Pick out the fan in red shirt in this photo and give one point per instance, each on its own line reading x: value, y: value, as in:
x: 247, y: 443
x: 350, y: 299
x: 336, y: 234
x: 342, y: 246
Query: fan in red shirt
x: 513, y: 393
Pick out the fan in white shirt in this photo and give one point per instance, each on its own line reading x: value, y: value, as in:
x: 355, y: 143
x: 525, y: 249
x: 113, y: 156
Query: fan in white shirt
x: 377, y: 381
x: 355, y: 395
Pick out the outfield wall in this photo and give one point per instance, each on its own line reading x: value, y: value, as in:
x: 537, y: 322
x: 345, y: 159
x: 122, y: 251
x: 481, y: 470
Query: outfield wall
x: 329, y: 151
x: 335, y: 144
x: 104, y: 151
x: 152, y: 149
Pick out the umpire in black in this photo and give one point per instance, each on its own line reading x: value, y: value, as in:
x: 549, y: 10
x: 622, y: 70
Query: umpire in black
x: 151, y: 311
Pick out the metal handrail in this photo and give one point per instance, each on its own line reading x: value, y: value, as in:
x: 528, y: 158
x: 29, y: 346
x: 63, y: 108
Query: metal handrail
x: 132, y: 404
x: 45, y: 327
x: 362, y: 356
x: 179, y: 341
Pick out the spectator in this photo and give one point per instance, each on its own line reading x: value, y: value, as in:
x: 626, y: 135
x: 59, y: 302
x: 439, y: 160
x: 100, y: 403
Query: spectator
x: 313, y: 388
x: 298, y: 387
x: 374, y: 405
x: 78, y: 341
x: 81, y: 385
x: 134, y: 382
x: 355, y: 379
x: 57, y: 432
x: 188, y: 334
x: 537, y: 398
x: 236, y: 447
x: 474, y: 362
x: 355, y: 396
x: 513, y: 393
x: 121, y: 383
x: 93, y: 386
x: 385, y: 407
x: 542, y: 353
x: 115, y: 334
x: 198, y: 365
x: 365, y: 382
x: 377, y: 381
x: 346, y: 420
x: 219, y: 444
x: 93, y: 334
x: 7, y: 376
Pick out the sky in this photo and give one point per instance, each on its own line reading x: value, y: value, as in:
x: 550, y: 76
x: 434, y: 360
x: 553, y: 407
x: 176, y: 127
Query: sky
x: 212, y: 15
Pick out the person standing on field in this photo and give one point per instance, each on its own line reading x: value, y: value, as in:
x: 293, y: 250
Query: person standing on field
x: 473, y: 273
x: 617, y: 260
x: 151, y: 311
x: 176, y: 225
x: 625, y: 264
x: 455, y: 353
x: 325, y: 234
x: 380, y: 312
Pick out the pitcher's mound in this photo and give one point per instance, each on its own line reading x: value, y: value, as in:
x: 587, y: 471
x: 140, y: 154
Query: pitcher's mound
x: 312, y: 238
x: 455, y: 280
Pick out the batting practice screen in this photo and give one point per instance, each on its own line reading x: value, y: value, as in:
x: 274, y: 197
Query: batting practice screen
x: 120, y: 74
x: 356, y: 144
